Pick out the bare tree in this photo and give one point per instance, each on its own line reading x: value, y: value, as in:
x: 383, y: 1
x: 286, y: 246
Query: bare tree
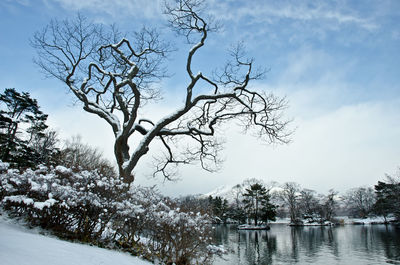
x: 45, y: 145
x: 80, y: 156
x: 290, y: 195
x: 360, y: 201
x: 114, y: 77
x: 238, y: 192
x: 308, y: 202
x: 330, y: 204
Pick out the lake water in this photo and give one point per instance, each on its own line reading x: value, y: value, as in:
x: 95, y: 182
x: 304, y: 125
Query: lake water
x: 349, y: 244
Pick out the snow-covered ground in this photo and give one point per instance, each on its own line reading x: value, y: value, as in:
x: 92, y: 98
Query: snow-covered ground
x: 281, y: 221
x: 366, y: 221
x: 21, y: 246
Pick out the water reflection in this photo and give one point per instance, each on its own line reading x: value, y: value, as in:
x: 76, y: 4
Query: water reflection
x: 258, y: 247
x: 375, y: 244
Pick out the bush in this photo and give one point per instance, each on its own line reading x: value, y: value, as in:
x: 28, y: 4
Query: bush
x: 76, y: 204
x: 90, y: 207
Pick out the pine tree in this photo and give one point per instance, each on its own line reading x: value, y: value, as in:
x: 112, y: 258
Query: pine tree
x: 387, y: 199
x: 257, y: 203
x: 21, y: 123
x: 219, y: 207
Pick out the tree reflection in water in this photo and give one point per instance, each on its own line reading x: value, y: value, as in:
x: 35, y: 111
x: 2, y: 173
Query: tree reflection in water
x: 256, y: 247
x: 349, y: 244
x: 382, y: 239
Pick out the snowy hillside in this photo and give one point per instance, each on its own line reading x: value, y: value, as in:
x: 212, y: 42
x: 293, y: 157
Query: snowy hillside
x: 224, y: 191
x: 21, y: 246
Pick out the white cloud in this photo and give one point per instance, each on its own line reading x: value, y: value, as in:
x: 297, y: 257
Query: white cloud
x: 351, y: 146
x: 115, y: 8
x: 315, y: 79
x: 72, y: 121
x: 280, y: 23
x: 267, y: 12
x: 21, y: 2
x: 332, y: 16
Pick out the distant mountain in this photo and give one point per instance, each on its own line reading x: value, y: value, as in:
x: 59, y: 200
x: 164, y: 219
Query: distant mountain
x: 230, y: 192
x: 226, y: 191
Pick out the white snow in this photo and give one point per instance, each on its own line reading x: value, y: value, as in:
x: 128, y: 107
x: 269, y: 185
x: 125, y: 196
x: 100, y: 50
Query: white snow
x: 229, y: 192
x: 342, y: 220
x: 18, y: 199
x: 47, y: 203
x: 3, y: 166
x: 251, y: 227
x: 220, y: 191
x: 366, y: 221
x: 63, y: 170
x: 278, y: 220
x: 20, y: 246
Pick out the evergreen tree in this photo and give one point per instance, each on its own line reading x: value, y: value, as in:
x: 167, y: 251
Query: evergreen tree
x: 257, y: 203
x: 237, y: 213
x: 387, y: 199
x: 21, y: 123
x: 219, y: 207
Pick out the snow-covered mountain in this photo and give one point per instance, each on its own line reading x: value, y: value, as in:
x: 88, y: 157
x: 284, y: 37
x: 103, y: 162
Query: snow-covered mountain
x: 225, y: 191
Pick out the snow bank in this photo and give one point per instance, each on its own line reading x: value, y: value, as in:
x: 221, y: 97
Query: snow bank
x: 281, y: 221
x: 20, y: 246
x: 253, y: 227
x: 344, y: 220
x: 366, y: 221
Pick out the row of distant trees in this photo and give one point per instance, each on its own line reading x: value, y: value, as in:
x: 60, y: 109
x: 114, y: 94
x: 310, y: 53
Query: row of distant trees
x: 362, y: 202
x: 253, y: 205
x: 254, y: 201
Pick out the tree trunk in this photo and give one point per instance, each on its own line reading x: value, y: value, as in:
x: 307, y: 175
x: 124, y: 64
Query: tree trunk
x: 256, y: 213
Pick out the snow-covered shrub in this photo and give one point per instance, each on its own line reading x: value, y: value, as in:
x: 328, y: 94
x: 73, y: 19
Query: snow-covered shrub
x: 180, y: 237
x: 3, y: 166
x: 76, y: 204
x: 3, y: 189
x: 132, y: 218
x: 90, y: 207
x: 154, y: 227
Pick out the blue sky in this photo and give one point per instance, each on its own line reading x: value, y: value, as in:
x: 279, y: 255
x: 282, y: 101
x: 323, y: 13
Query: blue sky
x: 337, y: 62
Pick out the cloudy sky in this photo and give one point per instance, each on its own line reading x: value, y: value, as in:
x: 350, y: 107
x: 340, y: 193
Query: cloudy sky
x: 337, y: 62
